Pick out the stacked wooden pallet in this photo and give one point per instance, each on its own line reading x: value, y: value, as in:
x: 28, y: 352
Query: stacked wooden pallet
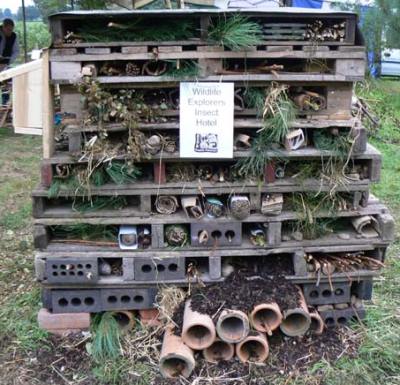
x: 176, y: 222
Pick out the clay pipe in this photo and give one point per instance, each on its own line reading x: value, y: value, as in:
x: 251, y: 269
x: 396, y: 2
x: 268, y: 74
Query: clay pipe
x: 253, y: 349
x: 317, y: 324
x: 233, y: 326
x: 198, y: 330
x: 176, y: 359
x: 266, y: 317
x: 219, y: 351
x: 125, y: 319
x: 296, y: 321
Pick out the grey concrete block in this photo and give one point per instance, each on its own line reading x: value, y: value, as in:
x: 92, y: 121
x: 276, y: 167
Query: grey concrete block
x: 127, y: 299
x: 220, y: 234
x: 159, y: 269
x: 324, y: 295
x: 362, y: 289
x: 76, y: 301
x: 337, y: 317
x: 72, y: 270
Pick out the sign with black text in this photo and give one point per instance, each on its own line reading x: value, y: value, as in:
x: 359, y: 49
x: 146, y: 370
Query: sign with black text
x: 206, y: 120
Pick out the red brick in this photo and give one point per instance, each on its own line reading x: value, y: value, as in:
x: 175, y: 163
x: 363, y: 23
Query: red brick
x: 149, y: 317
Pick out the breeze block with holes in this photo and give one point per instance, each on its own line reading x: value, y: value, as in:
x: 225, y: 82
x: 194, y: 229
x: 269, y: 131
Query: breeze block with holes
x: 98, y: 300
x: 325, y: 293
x: 337, y: 317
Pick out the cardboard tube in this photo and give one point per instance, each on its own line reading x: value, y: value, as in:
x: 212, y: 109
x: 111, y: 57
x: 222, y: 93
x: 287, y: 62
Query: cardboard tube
x: 266, y: 317
x: 253, y: 349
x: 317, y: 324
x: 296, y: 321
x: 176, y: 358
x: 219, y: 351
x: 233, y: 326
x: 198, y: 330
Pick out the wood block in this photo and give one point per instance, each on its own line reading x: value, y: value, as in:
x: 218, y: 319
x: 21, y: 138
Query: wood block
x: 70, y: 102
x: 210, y: 48
x: 98, y: 50
x: 214, y: 264
x: 255, y: 201
x: 299, y: 263
x: 46, y: 174
x: 274, y: 233
x: 269, y: 173
x: 315, y: 48
x: 41, y: 236
x: 70, y: 71
x: 386, y: 227
x: 360, y: 136
x: 63, y: 324
x: 145, y: 204
x: 375, y: 166
x: 37, y: 207
x: 74, y: 142
x: 157, y: 236
x: 159, y: 173
x: 134, y: 49
x: 63, y: 51
x: 169, y: 48
x: 279, y: 48
x: 350, y: 67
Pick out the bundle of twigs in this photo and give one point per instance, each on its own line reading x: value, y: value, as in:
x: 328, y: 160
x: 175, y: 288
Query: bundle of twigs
x: 318, y: 31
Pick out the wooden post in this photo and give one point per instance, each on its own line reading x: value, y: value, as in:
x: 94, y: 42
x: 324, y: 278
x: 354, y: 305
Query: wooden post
x: 48, y: 110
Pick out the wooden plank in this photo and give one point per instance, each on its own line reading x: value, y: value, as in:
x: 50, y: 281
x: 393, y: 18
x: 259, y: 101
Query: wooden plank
x: 21, y: 69
x: 48, y: 109
x: 65, y: 216
x: 66, y: 70
x: 216, y: 52
x: 242, y: 78
x: 97, y: 51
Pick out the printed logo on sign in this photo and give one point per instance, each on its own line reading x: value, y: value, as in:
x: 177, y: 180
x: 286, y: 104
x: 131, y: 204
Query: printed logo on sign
x: 206, y: 143
x: 206, y: 120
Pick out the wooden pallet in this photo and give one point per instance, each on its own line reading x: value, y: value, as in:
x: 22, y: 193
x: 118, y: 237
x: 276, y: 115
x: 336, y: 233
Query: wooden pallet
x: 172, y: 268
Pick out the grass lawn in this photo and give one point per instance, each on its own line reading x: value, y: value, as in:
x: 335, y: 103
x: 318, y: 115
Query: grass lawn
x: 29, y: 356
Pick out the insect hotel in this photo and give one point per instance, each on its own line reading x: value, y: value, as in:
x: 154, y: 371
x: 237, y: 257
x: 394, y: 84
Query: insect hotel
x: 211, y: 150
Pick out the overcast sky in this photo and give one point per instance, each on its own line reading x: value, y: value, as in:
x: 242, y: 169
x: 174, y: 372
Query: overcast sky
x: 14, y: 4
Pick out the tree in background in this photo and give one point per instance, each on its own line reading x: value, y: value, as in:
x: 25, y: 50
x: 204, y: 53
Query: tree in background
x: 31, y: 13
x: 390, y: 10
x: 47, y: 7
x: 7, y: 13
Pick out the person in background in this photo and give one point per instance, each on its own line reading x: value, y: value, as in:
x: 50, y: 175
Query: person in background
x: 9, y: 47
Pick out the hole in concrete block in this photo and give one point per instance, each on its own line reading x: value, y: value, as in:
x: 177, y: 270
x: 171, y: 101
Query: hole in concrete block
x: 79, y: 266
x: 112, y: 299
x: 88, y: 301
x: 125, y: 299
x: 63, y: 267
x: 329, y: 321
x: 146, y: 268
x: 80, y: 273
x: 54, y: 266
x: 342, y: 320
x: 55, y: 273
x: 229, y: 235
x: 63, y: 273
x: 172, y: 267
x: 314, y: 294
x: 138, y: 298
x: 71, y: 273
x: 88, y: 266
x: 76, y: 301
x: 63, y: 302
x: 339, y: 292
x: 326, y: 293
x: 216, y: 234
x: 160, y: 268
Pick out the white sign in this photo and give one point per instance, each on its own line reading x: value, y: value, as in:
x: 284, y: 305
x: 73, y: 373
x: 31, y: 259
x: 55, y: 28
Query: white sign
x: 206, y: 120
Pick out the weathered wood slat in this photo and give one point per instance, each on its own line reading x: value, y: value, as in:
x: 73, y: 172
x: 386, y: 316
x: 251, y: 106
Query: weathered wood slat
x: 249, y: 54
x: 65, y: 216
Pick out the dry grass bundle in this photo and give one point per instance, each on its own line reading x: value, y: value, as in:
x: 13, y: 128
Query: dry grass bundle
x: 167, y: 301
